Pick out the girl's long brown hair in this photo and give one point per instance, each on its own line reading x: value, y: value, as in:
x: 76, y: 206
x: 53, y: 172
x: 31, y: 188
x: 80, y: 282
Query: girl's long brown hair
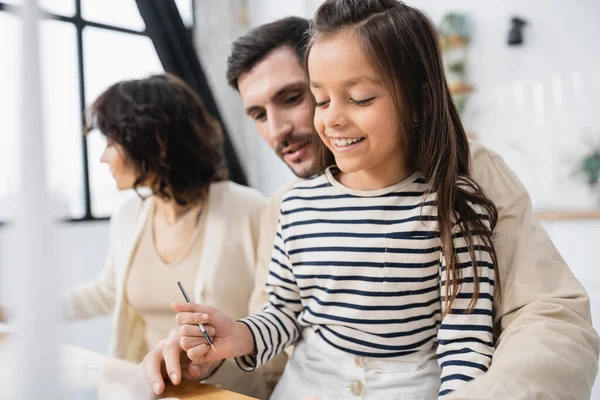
x: 402, y: 44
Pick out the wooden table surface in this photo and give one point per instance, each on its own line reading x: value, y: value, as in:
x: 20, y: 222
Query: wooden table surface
x: 196, y: 391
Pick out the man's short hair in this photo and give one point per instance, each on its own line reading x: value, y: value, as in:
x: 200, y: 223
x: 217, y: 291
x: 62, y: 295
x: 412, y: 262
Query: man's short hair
x: 251, y: 48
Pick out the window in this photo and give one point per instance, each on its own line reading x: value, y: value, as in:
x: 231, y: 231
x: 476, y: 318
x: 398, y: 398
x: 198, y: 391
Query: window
x: 86, y: 45
x: 58, y: 7
x: 105, y: 12
x: 186, y: 10
x: 116, y: 56
x: 62, y: 116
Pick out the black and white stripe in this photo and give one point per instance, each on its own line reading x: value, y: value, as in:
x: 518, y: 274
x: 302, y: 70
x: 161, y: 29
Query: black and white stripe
x: 366, y: 272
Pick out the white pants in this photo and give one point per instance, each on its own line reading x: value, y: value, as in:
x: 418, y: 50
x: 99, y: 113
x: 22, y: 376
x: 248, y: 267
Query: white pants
x: 319, y: 369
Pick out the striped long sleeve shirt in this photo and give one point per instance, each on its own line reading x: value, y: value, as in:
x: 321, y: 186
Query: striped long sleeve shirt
x: 365, y: 270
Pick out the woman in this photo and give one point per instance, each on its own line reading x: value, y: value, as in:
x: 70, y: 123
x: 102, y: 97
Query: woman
x: 195, y: 226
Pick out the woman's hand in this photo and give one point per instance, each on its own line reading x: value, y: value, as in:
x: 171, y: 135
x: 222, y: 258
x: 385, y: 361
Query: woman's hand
x: 231, y: 339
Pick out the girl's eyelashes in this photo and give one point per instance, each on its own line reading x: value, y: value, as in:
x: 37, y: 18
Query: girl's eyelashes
x: 362, y: 103
x: 359, y: 103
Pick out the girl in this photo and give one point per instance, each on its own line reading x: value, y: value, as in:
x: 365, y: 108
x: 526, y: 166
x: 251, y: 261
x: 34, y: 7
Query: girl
x: 383, y: 266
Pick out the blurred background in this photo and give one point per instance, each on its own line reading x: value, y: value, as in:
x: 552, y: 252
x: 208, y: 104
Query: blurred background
x: 524, y: 74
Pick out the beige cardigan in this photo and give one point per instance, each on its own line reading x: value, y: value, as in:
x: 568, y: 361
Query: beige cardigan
x: 547, y: 347
x: 225, y: 276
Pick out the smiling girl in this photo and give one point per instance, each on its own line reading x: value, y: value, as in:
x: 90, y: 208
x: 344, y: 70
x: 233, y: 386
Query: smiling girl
x: 383, y: 267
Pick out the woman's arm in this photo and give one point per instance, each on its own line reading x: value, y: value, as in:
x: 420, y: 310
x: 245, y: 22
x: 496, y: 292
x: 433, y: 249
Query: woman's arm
x: 97, y: 297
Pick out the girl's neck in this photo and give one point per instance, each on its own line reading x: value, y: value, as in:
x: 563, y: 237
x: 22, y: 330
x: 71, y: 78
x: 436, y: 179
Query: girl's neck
x: 379, y: 176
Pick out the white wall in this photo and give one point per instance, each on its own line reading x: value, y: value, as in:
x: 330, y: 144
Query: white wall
x: 533, y: 103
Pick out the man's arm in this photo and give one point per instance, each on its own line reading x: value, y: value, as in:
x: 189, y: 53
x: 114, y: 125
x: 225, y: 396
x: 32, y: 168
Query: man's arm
x: 547, y: 348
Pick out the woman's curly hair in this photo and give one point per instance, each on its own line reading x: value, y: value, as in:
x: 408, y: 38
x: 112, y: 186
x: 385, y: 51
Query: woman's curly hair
x: 163, y: 127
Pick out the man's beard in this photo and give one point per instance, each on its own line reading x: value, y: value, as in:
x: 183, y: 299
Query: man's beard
x: 293, y: 140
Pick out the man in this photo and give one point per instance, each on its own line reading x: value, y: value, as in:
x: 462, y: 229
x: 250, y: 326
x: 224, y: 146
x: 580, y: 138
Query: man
x: 546, y: 347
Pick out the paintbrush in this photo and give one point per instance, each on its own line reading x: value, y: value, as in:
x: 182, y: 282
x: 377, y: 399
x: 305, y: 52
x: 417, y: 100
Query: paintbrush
x: 187, y: 299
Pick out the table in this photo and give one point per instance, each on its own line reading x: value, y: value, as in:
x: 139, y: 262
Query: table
x: 568, y: 214
x: 120, y: 379
x: 197, y: 391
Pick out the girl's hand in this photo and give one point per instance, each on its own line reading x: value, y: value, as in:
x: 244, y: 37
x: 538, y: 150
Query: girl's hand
x: 231, y: 339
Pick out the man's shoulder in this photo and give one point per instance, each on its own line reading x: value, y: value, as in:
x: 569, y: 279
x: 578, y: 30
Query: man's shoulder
x: 307, y: 185
x: 294, y: 187
x: 487, y: 165
x: 272, y: 207
x: 289, y: 190
x: 496, y: 178
x: 481, y: 155
x: 273, y: 204
x: 278, y: 194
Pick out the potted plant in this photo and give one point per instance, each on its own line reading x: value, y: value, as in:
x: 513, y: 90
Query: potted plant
x: 589, y: 165
x: 455, y: 36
